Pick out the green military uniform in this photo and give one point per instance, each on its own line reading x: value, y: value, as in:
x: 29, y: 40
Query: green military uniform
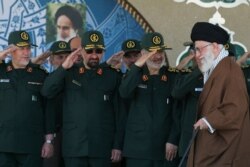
x: 149, y: 121
x: 57, y: 48
x: 246, y: 71
x: 23, y: 119
x: 187, y: 89
x: 89, y: 110
x: 91, y: 114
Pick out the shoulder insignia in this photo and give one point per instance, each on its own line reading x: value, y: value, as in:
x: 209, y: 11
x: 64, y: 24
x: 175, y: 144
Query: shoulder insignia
x: 245, y: 66
x: 172, y: 69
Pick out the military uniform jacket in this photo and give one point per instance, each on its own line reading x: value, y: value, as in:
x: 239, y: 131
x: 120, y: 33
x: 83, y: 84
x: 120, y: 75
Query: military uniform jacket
x: 90, y: 109
x: 187, y: 89
x: 246, y: 71
x: 23, y: 118
x: 149, y: 122
x: 224, y: 103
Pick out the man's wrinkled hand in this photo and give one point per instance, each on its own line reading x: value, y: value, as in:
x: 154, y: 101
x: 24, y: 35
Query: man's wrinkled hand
x: 116, y: 155
x: 171, y: 151
x: 47, y: 150
x: 145, y: 56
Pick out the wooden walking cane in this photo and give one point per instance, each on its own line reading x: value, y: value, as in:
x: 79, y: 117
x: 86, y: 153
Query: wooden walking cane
x: 195, y: 131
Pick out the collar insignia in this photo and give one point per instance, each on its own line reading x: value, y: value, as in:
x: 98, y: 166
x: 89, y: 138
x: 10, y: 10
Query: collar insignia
x: 164, y: 78
x: 99, y: 71
x: 9, y: 68
x: 144, y: 77
x: 81, y: 70
x: 29, y: 69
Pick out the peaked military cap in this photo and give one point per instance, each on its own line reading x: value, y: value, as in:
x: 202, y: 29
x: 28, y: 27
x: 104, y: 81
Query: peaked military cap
x: 205, y: 31
x: 153, y: 41
x: 20, y: 39
x: 131, y: 45
x: 60, y: 47
x: 93, y: 39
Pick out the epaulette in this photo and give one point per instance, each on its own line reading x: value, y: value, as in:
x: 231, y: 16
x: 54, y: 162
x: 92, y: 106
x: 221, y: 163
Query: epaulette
x: 186, y: 70
x: 173, y: 69
x: 245, y: 66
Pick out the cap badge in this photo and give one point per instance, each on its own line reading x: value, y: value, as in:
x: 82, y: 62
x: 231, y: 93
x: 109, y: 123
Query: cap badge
x: 130, y: 44
x: 24, y: 36
x: 62, y: 45
x: 156, y: 40
x: 94, y: 38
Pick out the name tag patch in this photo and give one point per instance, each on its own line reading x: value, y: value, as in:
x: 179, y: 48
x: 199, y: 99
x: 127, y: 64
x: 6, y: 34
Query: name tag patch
x: 142, y: 86
x: 5, y: 80
x: 35, y: 83
x: 76, y: 82
x: 198, y: 89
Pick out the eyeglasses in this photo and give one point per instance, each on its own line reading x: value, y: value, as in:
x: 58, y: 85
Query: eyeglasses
x: 196, y: 49
x: 97, y: 51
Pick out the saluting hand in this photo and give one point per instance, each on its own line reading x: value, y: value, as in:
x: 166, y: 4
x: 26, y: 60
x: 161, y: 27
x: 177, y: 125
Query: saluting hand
x: 4, y: 53
x: 145, y: 56
x: 41, y: 58
x: 115, y: 60
x: 71, y: 59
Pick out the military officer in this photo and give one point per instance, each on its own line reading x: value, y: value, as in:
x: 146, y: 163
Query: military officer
x: 26, y: 128
x: 188, y: 86
x: 91, y: 115
x: 245, y: 68
x: 149, y: 137
x: 132, y: 51
x: 59, y: 50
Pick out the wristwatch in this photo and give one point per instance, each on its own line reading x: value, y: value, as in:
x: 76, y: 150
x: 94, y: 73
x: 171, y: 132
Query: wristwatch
x: 48, y: 141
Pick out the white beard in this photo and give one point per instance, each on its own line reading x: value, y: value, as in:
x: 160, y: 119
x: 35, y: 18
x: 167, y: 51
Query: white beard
x: 154, y: 65
x: 206, y: 62
x: 71, y: 35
